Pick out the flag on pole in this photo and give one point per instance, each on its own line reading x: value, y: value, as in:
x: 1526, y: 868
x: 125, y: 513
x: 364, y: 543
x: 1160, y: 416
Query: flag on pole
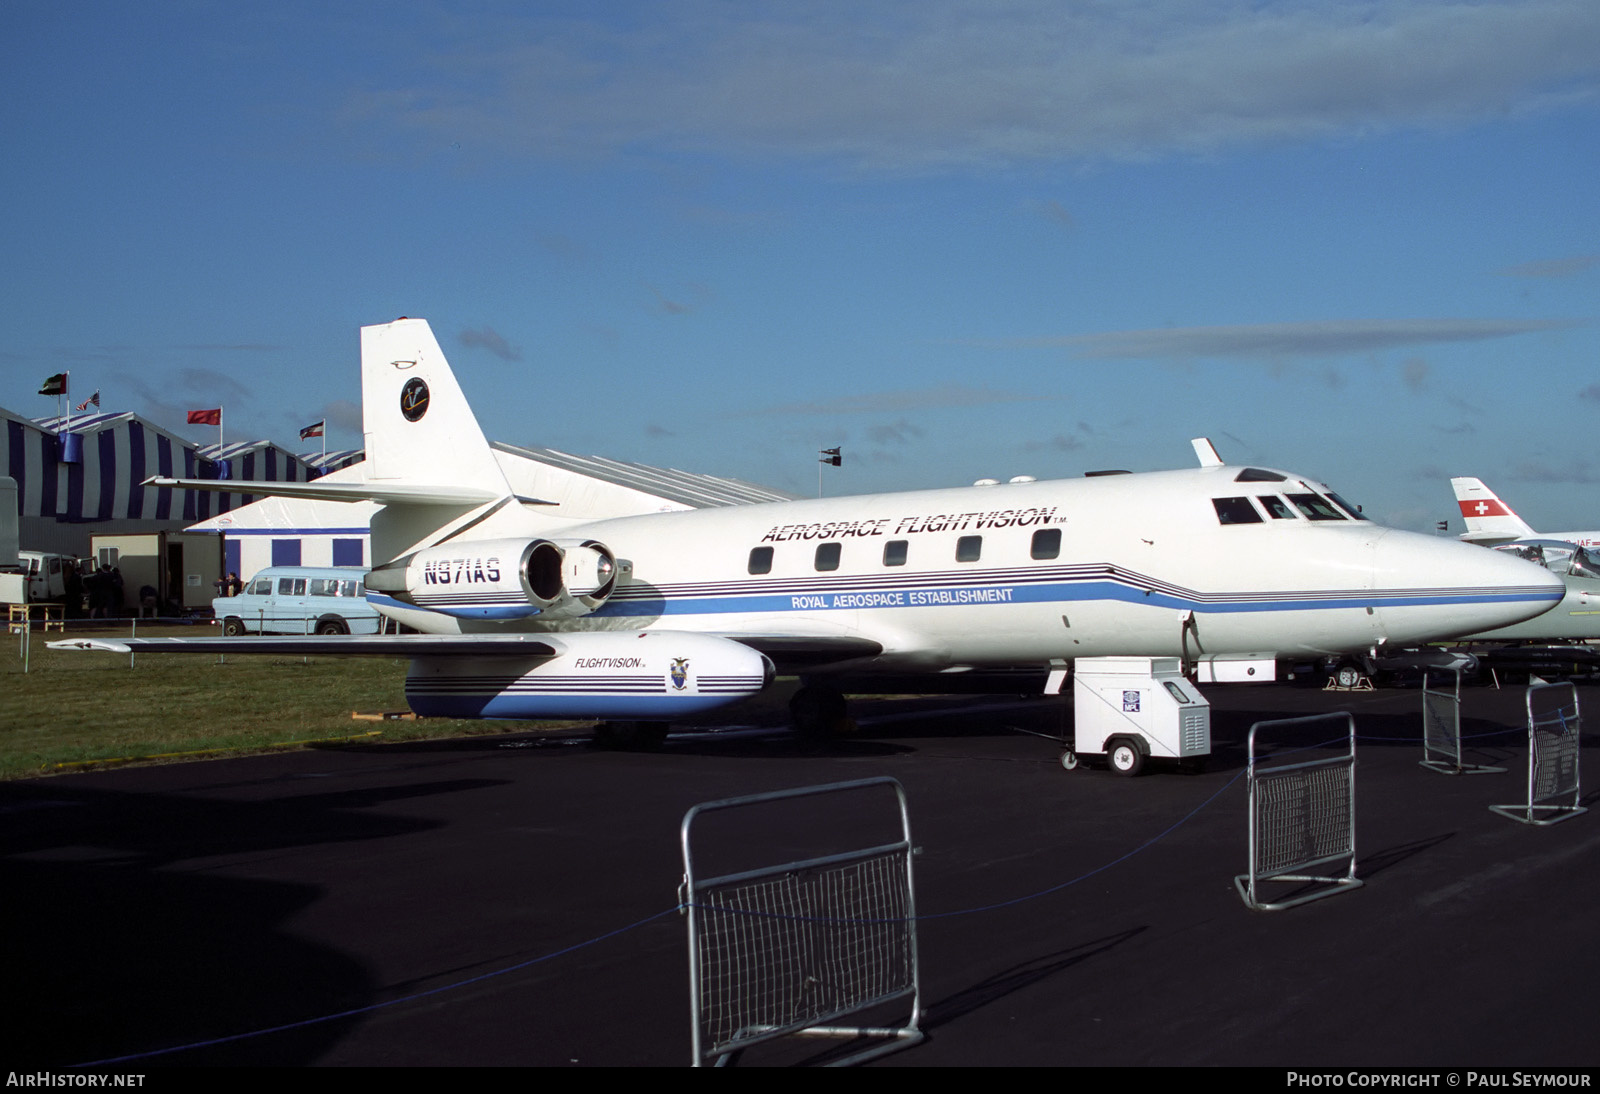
x: 206, y: 417
x: 93, y: 400
x: 313, y: 430
x: 832, y: 457
x: 56, y: 385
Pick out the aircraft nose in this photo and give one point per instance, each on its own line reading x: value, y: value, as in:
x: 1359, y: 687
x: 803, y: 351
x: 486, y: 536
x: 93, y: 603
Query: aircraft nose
x: 1428, y: 589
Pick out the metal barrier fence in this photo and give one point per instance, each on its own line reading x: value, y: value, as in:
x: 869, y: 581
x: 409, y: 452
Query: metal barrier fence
x: 1302, y: 815
x: 790, y: 949
x: 1554, y: 728
x: 1441, y: 727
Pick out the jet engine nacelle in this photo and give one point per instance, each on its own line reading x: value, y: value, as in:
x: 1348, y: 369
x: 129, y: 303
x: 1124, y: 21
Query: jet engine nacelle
x: 655, y: 676
x: 502, y: 578
x: 588, y: 572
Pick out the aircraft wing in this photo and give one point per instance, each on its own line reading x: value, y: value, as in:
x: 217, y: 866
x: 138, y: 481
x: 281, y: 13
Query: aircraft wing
x: 654, y: 676
x: 797, y: 651
x: 789, y: 652
x: 368, y: 645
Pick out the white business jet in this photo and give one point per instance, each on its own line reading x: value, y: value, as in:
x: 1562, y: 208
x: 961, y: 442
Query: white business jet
x: 645, y: 619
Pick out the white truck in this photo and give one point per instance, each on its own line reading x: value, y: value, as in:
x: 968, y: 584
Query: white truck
x: 13, y: 582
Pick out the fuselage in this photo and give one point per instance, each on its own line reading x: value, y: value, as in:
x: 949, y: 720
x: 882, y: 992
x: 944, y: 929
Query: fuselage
x: 1208, y: 562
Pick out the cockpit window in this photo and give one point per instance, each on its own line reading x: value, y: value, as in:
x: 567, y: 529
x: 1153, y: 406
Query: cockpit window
x: 1236, y: 511
x: 1316, y: 507
x: 1353, y: 510
x: 1584, y: 563
x: 1256, y: 474
x: 1557, y: 557
x: 1532, y: 552
x: 1276, y: 507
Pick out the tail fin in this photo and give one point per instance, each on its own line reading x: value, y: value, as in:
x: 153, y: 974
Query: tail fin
x: 1489, y: 520
x: 427, y: 461
x: 419, y: 428
x: 421, y: 435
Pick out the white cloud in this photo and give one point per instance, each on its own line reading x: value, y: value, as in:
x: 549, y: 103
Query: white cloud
x: 1279, y: 341
x: 1552, y: 267
x: 492, y: 340
x: 944, y: 83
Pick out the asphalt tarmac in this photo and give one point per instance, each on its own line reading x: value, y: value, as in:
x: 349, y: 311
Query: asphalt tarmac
x: 511, y: 901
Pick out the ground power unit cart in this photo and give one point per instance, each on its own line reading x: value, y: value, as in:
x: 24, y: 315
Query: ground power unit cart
x: 1132, y: 709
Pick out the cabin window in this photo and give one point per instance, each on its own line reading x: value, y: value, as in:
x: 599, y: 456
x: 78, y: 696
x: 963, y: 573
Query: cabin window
x: 760, y: 560
x: 1236, y: 511
x: 291, y: 586
x: 1316, y: 507
x: 1046, y: 543
x: 969, y: 548
x: 828, y: 556
x: 1276, y: 507
x: 1353, y: 510
x: 894, y: 552
x: 261, y: 586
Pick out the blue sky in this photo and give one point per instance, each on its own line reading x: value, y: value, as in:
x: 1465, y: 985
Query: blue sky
x: 1358, y: 241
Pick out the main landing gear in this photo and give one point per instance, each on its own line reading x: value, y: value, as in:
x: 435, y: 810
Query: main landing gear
x: 818, y: 713
x: 631, y: 736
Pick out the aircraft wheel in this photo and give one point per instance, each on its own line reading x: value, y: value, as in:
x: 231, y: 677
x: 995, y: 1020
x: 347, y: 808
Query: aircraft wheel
x: 818, y: 713
x: 1069, y: 760
x: 1126, y: 759
x: 332, y: 626
x: 233, y: 626
x: 1348, y: 674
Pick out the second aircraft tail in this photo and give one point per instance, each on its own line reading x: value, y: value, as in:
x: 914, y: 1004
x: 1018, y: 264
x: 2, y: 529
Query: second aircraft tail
x: 1488, y: 519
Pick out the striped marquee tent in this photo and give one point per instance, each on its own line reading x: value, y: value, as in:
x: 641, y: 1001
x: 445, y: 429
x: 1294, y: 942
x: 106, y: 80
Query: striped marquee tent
x: 93, y: 472
x: 323, y: 462
x: 253, y: 461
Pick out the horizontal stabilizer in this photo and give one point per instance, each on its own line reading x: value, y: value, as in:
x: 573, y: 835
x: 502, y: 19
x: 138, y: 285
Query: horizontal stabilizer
x: 386, y: 493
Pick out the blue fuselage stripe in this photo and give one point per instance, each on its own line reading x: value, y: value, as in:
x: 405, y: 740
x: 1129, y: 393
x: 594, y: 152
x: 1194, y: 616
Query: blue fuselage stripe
x: 961, y: 596
x: 977, y: 593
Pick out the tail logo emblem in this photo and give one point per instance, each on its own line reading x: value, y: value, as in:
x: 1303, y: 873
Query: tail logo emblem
x: 414, y: 399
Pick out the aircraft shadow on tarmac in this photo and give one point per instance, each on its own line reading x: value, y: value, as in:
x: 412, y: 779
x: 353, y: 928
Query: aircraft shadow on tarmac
x: 116, y: 952
x: 883, y: 725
